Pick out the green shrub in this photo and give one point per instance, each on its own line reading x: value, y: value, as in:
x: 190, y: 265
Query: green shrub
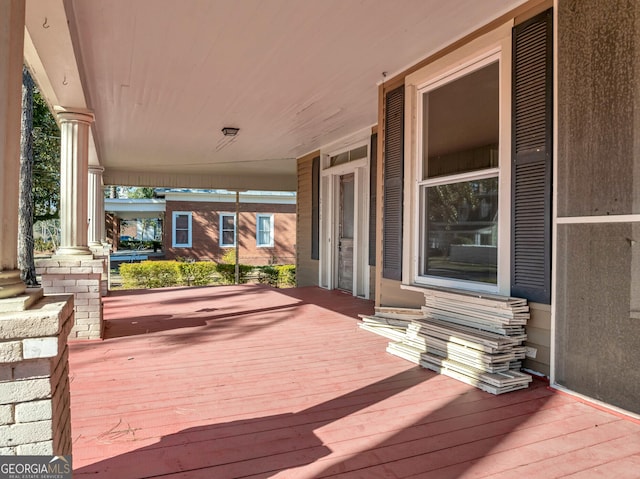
x: 150, y: 274
x: 229, y: 257
x: 196, y: 273
x: 227, y: 272
x: 268, y: 275
x: 287, y: 275
x: 278, y: 275
x: 39, y: 244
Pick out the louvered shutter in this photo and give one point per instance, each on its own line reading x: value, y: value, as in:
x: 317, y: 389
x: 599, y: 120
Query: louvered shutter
x: 373, y: 199
x: 532, y: 159
x: 315, y: 208
x: 393, y: 184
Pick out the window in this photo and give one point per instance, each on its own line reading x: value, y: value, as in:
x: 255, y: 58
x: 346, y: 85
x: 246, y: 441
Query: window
x: 264, y: 230
x: 181, y: 234
x: 458, y: 188
x: 347, y: 156
x: 227, y: 230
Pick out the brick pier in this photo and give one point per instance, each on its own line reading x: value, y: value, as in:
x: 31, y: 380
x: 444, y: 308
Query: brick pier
x: 34, y: 375
x: 84, y: 278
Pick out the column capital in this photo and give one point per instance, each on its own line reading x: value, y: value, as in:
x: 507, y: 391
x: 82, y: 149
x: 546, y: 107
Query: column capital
x: 65, y: 113
x: 96, y: 169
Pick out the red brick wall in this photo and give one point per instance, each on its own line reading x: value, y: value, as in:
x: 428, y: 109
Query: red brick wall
x: 205, y: 227
x: 113, y: 230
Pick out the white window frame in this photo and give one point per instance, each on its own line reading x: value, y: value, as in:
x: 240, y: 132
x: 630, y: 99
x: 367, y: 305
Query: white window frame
x: 270, y: 243
x: 235, y: 230
x: 494, y: 46
x: 174, y: 216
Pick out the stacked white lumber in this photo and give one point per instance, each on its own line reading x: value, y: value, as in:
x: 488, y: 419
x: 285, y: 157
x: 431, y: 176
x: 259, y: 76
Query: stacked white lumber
x: 477, y: 339
x: 390, y: 323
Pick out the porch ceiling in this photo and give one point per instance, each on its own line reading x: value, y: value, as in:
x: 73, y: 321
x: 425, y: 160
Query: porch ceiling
x: 164, y: 76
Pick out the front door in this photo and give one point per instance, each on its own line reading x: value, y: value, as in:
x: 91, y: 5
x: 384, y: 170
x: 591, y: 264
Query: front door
x: 345, y: 233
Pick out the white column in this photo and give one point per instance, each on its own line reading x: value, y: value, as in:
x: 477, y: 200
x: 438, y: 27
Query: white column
x: 74, y: 180
x: 96, y: 206
x: 11, y: 58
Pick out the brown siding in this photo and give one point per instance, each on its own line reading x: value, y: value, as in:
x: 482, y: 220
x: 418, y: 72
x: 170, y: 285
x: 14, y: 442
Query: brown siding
x: 306, y: 268
x: 206, y: 232
x: 539, y: 338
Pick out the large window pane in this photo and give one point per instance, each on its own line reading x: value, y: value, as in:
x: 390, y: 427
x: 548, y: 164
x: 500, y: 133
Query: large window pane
x: 227, y: 238
x: 182, y: 237
x: 461, y: 124
x: 182, y: 222
x: 227, y: 230
x: 264, y: 233
x: 461, y: 230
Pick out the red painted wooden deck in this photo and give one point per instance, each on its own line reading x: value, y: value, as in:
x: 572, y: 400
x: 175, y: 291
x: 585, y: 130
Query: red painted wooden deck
x: 249, y: 381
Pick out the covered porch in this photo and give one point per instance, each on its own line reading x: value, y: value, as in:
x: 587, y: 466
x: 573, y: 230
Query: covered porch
x: 251, y: 381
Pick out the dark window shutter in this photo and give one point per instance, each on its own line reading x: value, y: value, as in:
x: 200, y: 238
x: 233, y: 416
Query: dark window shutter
x: 315, y: 208
x: 532, y: 118
x: 373, y: 185
x: 393, y: 184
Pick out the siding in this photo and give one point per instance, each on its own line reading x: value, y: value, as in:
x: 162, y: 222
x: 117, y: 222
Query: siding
x: 306, y: 268
x: 539, y: 337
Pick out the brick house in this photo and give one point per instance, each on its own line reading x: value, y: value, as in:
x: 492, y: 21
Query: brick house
x: 204, y: 225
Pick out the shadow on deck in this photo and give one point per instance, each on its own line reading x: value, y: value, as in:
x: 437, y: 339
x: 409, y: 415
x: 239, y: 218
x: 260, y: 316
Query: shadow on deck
x: 250, y: 381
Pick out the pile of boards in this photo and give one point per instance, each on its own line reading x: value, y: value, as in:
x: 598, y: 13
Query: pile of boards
x: 477, y: 339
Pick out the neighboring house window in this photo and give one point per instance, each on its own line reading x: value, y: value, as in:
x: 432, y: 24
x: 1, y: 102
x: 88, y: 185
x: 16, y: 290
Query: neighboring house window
x: 227, y: 230
x: 264, y: 230
x: 181, y: 235
x: 458, y: 185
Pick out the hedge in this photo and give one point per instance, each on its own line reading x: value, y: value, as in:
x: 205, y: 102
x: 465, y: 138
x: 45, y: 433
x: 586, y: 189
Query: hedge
x: 197, y: 273
x: 227, y: 272
x: 278, y: 275
x: 161, y: 274
x: 150, y: 274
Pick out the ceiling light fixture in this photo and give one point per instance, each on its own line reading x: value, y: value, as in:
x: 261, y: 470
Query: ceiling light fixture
x: 230, y: 131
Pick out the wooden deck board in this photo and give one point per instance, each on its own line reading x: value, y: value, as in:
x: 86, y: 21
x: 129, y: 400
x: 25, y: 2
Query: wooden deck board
x: 249, y: 381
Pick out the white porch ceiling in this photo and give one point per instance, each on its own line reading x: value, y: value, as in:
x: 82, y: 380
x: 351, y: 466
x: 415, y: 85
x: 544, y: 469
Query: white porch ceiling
x: 164, y: 76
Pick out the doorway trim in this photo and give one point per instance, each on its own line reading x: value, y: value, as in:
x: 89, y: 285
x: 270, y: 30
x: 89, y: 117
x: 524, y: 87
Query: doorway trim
x: 330, y: 213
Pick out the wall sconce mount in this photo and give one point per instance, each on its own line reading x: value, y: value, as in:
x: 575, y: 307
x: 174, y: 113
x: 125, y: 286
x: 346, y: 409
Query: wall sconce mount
x: 230, y: 131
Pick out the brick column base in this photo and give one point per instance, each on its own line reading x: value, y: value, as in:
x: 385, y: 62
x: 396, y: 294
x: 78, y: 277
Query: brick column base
x: 102, y: 252
x: 82, y: 277
x: 34, y: 378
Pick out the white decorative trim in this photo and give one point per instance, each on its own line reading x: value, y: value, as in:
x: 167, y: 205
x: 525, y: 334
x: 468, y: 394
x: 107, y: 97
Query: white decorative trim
x: 494, y: 46
x: 570, y: 220
x: 329, y: 212
x: 554, y: 203
x: 270, y: 244
x: 221, y: 215
x: 593, y: 401
x: 189, y: 242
